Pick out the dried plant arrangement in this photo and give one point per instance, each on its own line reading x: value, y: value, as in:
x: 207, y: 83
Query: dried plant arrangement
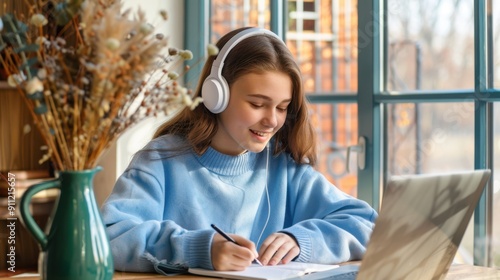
x: 88, y: 71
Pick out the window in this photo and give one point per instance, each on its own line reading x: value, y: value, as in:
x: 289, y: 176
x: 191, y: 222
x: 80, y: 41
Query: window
x: 437, y: 92
x: 419, y: 79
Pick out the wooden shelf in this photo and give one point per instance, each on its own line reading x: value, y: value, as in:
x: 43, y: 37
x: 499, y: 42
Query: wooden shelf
x: 19, y: 149
x: 4, y: 85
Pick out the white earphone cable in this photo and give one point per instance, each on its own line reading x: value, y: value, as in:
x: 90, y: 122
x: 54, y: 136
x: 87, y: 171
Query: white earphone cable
x: 267, y: 196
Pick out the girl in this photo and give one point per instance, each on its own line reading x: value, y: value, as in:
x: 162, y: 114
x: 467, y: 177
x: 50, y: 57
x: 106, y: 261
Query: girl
x: 245, y: 162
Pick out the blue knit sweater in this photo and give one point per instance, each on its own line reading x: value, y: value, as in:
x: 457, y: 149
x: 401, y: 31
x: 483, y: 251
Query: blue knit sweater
x: 159, y: 214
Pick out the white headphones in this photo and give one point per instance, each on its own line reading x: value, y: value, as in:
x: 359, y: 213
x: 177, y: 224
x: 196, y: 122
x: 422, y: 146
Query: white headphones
x: 215, y: 90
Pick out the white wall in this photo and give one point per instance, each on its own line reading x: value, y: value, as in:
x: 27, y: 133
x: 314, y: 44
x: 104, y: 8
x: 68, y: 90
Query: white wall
x: 118, y: 157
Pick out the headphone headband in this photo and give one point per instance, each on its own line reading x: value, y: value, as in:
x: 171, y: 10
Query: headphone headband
x: 215, y: 90
x: 254, y: 31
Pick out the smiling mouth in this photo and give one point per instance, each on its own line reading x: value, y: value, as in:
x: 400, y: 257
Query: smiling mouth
x: 261, y: 134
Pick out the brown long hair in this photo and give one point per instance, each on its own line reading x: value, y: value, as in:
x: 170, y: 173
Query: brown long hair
x: 256, y: 54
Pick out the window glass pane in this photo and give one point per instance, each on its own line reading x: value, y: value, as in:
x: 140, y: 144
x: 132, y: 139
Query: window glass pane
x: 432, y: 138
x: 323, y: 36
x: 496, y: 188
x: 430, y: 45
x: 496, y: 42
x: 228, y: 15
x: 337, y: 128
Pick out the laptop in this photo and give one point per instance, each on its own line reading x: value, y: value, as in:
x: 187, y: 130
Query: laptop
x: 419, y: 229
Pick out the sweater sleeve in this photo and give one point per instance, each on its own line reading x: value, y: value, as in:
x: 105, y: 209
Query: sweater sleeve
x: 329, y: 225
x: 141, y: 240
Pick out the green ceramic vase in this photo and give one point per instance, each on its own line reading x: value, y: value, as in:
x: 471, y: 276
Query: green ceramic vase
x: 75, y: 245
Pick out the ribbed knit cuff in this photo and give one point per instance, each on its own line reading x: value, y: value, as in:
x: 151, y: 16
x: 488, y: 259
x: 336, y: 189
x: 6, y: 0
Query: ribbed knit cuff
x: 197, y: 248
x: 304, y: 241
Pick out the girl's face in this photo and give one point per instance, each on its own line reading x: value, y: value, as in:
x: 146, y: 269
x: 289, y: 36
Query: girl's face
x: 256, y: 111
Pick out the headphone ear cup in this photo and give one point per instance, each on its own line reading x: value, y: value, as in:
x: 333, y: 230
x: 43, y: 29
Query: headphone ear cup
x: 215, y: 94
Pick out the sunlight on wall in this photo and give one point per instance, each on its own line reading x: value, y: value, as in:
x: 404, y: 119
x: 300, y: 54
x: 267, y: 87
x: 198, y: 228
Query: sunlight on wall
x: 118, y: 157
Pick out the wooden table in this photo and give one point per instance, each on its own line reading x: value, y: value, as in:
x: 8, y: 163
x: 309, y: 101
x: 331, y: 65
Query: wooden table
x: 456, y: 272
x: 464, y: 271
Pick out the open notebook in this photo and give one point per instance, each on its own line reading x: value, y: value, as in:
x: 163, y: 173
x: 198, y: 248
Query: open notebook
x: 255, y: 271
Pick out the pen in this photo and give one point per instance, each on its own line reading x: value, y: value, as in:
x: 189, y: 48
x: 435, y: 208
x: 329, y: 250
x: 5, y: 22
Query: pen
x: 229, y: 238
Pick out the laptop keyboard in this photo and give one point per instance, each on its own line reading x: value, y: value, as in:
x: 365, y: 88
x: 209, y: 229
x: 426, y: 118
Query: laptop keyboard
x: 343, y: 276
x: 349, y: 272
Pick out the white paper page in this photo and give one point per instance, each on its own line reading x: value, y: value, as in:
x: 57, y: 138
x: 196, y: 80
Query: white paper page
x: 255, y: 271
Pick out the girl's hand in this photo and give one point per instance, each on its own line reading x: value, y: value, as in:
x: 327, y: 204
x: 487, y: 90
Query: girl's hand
x: 229, y: 256
x: 278, y: 247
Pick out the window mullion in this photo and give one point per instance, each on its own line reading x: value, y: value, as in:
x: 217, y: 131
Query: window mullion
x: 278, y: 19
x: 482, y: 130
x: 370, y: 30
x: 197, y: 35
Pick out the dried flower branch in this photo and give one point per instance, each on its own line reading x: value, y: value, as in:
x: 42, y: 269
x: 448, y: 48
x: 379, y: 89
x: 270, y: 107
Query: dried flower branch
x: 99, y: 73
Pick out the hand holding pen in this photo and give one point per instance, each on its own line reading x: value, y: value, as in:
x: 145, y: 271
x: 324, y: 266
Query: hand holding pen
x: 230, y: 239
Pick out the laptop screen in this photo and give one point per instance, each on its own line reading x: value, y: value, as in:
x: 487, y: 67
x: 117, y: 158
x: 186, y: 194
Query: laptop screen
x: 421, y: 224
